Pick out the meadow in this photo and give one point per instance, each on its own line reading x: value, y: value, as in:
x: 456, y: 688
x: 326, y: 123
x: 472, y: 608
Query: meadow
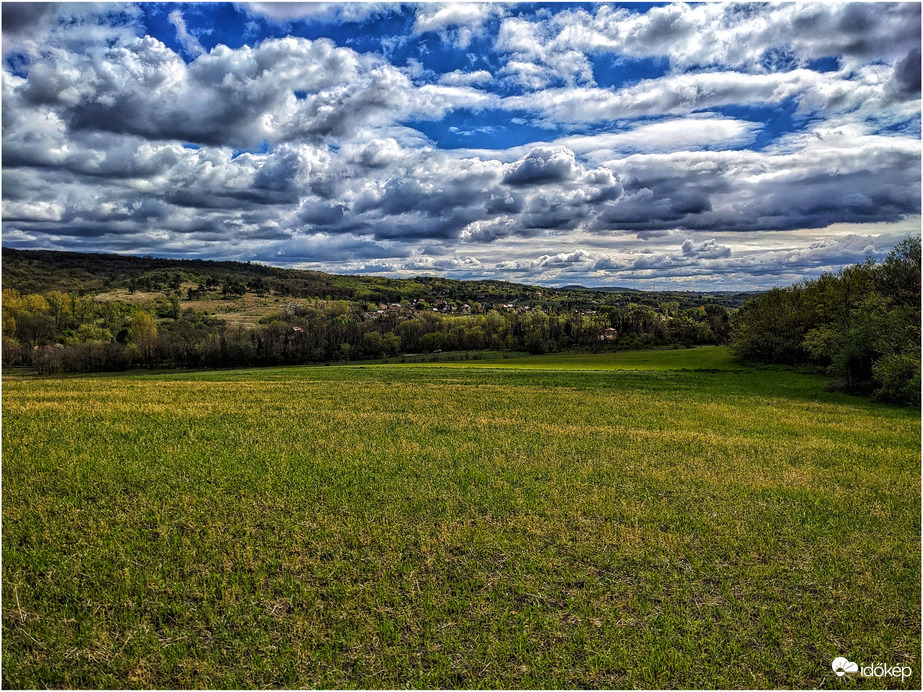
x: 631, y: 520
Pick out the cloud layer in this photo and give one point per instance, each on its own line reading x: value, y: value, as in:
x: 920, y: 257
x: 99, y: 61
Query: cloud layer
x: 712, y: 145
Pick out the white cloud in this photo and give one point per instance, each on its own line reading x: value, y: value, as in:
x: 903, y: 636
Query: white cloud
x: 708, y: 249
x: 286, y: 12
x: 487, y: 230
x: 283, y: 89
x: 672, y: 135
x: 671, y: 95
x: 543, y: 165
x: 31, y: 28
x: 441, y: 263
x: 457, y: 23
x: 190, y: 42
x: 461, y: 78
x: 755, y: 38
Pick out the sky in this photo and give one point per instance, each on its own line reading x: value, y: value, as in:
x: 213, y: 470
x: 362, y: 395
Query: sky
x: 672, y: 146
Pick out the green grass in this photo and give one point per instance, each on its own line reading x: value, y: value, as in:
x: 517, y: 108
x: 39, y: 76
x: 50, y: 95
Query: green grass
x: 660, y: 519
x: 703, y: 358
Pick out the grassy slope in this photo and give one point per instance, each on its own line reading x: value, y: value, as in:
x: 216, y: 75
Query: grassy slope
x: 458, y: 526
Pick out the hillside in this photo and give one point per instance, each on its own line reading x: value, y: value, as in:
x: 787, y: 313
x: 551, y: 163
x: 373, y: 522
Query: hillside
x: 74, y: 312
x: 36, y: 271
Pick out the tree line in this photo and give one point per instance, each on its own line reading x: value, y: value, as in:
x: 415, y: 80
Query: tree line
x: 861, y: 324
x: 59, y: 332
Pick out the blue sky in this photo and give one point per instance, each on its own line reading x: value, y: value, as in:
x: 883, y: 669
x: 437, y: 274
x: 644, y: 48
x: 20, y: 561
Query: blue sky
x: 688, y: 146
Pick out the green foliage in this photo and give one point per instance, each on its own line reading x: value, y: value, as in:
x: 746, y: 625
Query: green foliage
x: 862, y: 324
x: 898, y: 277
x: 770, y: 328
x: 899, y: 378
x: 431, y: 341
x: 141, y: 326
x: 88, y: 333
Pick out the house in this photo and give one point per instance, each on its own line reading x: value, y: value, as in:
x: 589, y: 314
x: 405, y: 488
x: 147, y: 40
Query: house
x: 609, y: 334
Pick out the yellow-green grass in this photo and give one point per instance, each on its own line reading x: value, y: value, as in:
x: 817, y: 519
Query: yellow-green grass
x: 458, y: 526
x: 237, y: 311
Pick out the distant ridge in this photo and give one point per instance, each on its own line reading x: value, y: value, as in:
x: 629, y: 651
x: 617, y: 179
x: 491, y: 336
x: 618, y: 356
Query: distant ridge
x: 607, y: 289
x: 37, y: 271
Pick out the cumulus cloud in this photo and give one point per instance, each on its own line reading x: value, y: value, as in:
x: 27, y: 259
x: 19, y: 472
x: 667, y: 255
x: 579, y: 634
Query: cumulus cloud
x: 24, y: 18
x: 281, y: 90
x: 488, y: 230
x: 906, y: 77
x: 706, y: 250
x: 30, y: 28
x: 542, y: 165
x: 566, y: 267
x: 565, y: 259
x: 457, y: 23
x: 668, y: 135
x: 756, y: 38
x: 690, y: 254
x: 429, y: 264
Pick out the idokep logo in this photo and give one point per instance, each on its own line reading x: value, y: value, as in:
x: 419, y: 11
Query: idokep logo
x: 843, y: 666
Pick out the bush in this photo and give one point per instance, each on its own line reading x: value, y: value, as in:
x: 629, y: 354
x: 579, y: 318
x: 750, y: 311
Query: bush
x: 899, y: 375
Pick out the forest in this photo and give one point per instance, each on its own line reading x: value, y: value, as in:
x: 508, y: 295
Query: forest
x: 861, y: 324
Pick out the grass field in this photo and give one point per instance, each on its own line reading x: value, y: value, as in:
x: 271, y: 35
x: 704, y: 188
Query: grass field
x: 660, y: 519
